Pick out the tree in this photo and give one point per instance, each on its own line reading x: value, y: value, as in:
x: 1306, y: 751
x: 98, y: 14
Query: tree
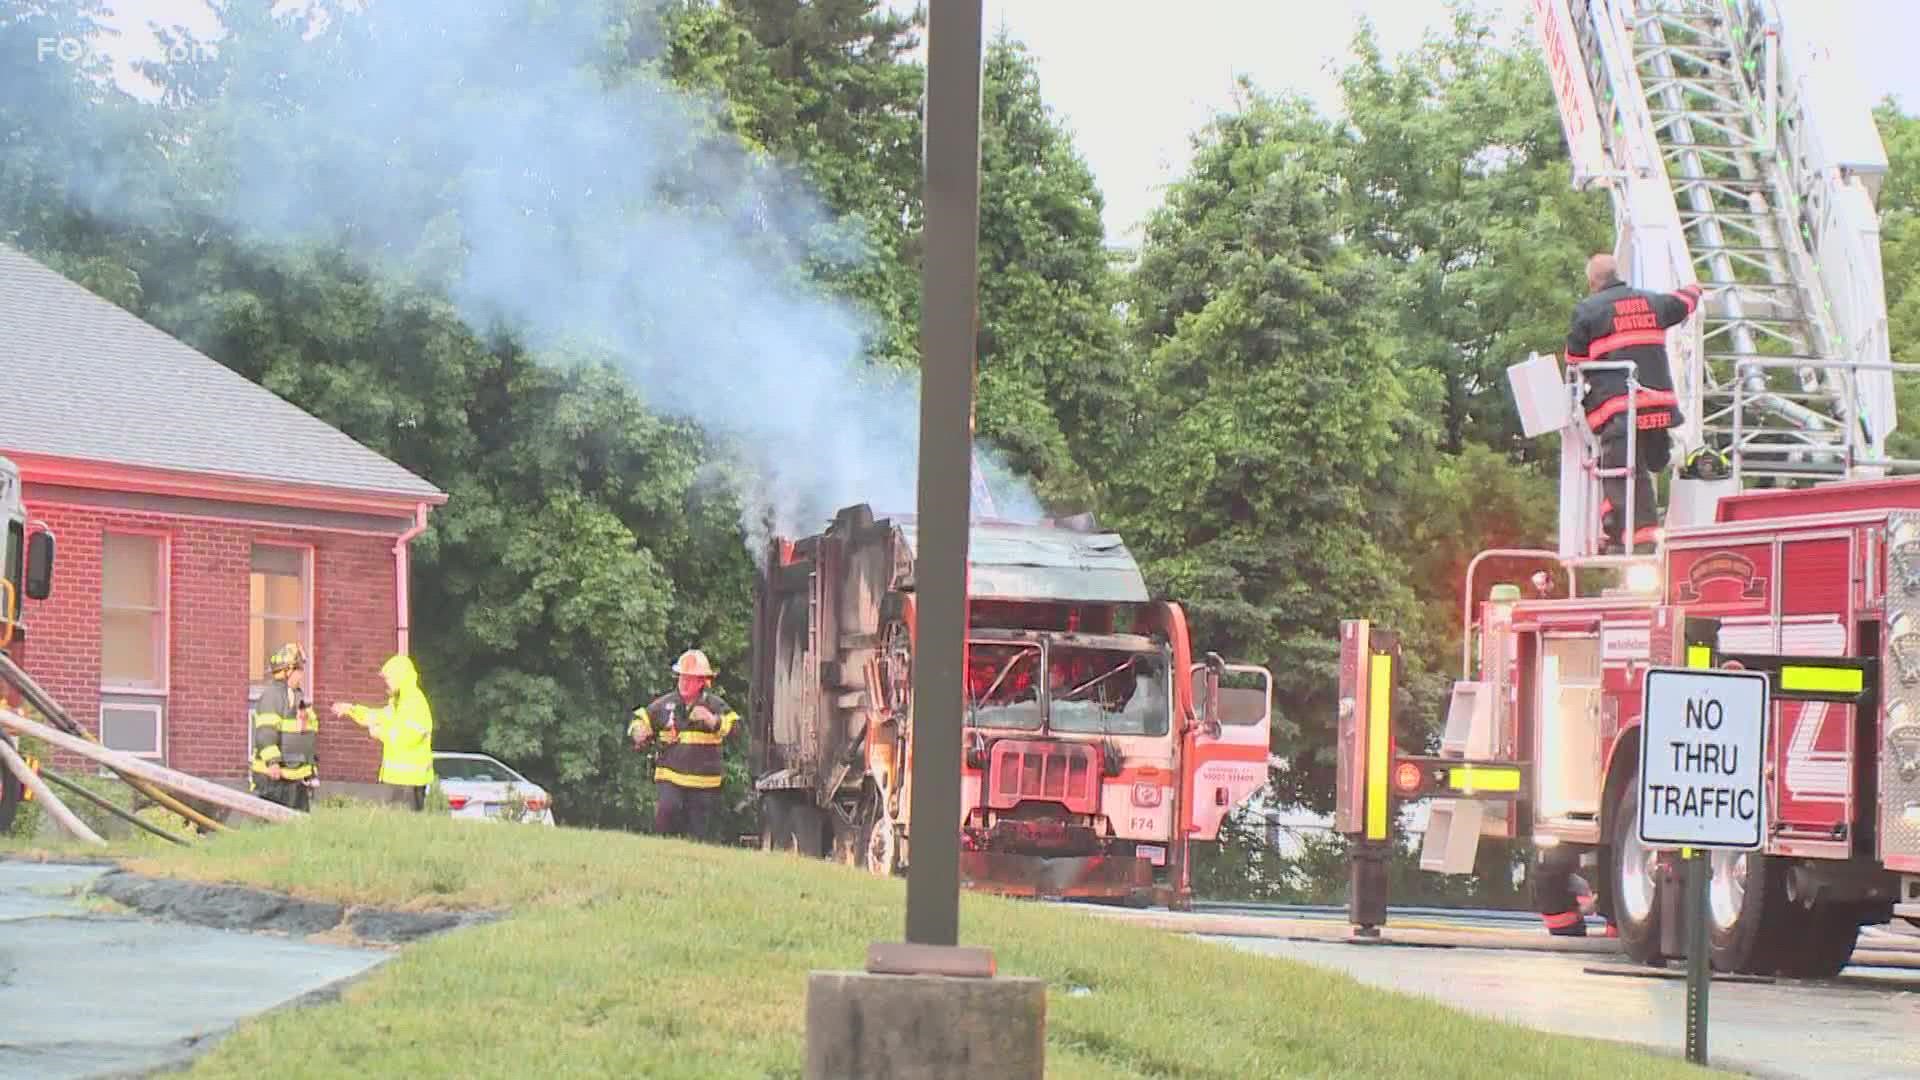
x: 1899, y: 206
x: 1049, y: 347
x: 1459, y: 175
x: 1276, y: 431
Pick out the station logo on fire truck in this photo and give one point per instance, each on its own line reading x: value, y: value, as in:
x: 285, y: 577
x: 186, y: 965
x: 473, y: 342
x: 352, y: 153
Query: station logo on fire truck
x: 1702, y: 750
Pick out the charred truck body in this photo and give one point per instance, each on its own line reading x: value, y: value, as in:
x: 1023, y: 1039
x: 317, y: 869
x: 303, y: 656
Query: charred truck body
x: 1096, y: 747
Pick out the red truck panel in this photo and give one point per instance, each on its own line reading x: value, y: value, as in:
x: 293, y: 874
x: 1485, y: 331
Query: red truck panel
x: 1902, y: 493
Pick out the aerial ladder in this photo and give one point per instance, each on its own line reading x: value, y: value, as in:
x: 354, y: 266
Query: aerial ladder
x: 1738, y: 151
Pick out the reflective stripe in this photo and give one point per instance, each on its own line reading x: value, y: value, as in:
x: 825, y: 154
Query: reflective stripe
x: 664, y: 775
x: 727, y: 722
x: 701, y: 738
x: 1689, y: 295
x: 1560, y: 920
x: 1470, y: 778
x: 1644, y: 400
x: 1822, y: 680
x: 1625, y: 339
x: 1379, y: 701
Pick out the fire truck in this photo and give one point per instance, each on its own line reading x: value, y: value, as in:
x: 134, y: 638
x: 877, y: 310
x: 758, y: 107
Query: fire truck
x: 1738, y: 153
x: 1097, y: 744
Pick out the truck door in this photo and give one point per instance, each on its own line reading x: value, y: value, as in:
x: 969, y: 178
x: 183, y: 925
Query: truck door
x: 1225, y: 756
x: 1568, y: 735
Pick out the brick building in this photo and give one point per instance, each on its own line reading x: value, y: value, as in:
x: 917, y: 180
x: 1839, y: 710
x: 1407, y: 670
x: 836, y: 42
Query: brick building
x: 200, y: 522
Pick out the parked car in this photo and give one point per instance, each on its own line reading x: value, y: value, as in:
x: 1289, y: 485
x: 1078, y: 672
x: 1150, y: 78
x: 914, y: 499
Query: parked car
x: 483, y: 788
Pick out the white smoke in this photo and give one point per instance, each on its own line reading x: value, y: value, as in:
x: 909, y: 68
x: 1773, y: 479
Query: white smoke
x: 481, y: 146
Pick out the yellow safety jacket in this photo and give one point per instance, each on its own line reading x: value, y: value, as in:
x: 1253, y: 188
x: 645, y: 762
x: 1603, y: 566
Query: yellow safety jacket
x: 693, y: 759
x: 404, y: 726
x: 286, y: 733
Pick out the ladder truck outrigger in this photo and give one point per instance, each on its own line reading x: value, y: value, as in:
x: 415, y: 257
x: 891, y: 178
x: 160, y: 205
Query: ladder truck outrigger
x: 1737, y: 152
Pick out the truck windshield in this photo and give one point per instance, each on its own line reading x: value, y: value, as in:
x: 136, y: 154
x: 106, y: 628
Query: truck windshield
x: 1003, y: 685
x: 1106, y: 691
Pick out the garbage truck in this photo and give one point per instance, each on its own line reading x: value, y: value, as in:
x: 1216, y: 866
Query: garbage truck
x: 1098, y: 745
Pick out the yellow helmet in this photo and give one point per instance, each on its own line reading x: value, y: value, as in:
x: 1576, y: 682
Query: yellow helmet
x: 286, y: 658
x: 693, y: 662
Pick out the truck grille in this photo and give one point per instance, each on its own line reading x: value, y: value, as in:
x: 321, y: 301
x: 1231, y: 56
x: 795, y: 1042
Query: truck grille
x: 1023, y: 771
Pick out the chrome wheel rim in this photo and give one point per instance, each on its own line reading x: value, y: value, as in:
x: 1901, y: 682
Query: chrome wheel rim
x: 1636, y: 870
x: 1727, y: 893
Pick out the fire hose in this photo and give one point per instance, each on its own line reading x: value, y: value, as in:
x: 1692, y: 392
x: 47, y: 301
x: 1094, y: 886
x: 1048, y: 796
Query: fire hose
x: 58, y: 717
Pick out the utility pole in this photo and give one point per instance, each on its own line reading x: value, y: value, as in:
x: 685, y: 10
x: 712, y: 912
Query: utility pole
x: 949, y: 289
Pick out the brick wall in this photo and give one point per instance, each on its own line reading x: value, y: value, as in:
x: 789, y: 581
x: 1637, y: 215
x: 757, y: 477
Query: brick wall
x: 204, y: 729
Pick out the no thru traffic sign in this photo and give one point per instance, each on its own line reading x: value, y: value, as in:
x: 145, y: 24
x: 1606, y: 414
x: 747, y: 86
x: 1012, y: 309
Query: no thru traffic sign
x: 1702, y: 748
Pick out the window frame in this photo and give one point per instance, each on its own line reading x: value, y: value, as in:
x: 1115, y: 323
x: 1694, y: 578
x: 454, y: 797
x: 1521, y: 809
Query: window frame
x: 309, y: 561
x: 164, y: 558
x: 154, y: 704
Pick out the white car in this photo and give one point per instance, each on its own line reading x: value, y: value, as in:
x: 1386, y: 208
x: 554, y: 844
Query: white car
x: 481, y: 788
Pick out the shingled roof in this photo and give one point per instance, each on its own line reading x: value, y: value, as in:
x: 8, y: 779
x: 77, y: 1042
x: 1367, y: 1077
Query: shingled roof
x: 88, y: 381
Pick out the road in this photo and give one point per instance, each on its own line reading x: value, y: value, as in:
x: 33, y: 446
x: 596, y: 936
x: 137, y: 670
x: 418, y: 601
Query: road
x: 84, y: 994
x: 1503, y: 965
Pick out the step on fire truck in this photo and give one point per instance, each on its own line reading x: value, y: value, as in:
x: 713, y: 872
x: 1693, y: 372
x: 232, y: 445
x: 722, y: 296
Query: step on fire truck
x: 1738, y: 153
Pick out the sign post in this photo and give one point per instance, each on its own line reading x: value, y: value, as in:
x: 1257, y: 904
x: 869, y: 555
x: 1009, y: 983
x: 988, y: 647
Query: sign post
x: 1702, y: 755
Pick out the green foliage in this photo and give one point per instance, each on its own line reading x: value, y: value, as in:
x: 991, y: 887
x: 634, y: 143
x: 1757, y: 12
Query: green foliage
x: 1275, y: 432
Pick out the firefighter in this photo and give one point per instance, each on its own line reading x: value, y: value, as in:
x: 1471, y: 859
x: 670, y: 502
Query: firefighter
x: 286, y: 757
x: 404, y: 726
x: 1617, y: 322
x: 1563, y: 897
x: 692, y: 724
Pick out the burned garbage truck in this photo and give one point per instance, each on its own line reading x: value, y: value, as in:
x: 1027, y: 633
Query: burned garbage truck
x: 1096, y: 745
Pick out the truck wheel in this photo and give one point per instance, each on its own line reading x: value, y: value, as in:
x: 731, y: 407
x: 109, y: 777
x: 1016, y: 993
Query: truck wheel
x: 789, y: 822
x: 774, y: 832
x: 1823, y: 944
x: 1632, y: 881
x: 1748, y: 918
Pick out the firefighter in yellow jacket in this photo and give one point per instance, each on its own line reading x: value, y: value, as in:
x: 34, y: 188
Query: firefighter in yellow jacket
x: 286, y: 733
x: 404, y: 726
x: 692, y: 724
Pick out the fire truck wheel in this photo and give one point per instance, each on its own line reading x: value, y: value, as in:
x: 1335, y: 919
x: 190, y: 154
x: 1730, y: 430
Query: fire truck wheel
x: 1824, y: 943
x: 1632, y: 883
x: 1747, y: 914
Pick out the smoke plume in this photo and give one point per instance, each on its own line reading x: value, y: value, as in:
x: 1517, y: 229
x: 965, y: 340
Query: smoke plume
x: 482, y: 146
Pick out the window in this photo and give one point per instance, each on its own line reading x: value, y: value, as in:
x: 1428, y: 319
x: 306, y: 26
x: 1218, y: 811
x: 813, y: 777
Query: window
x: 133, y: 612
x: 132, y: 727
x: 279, y: 610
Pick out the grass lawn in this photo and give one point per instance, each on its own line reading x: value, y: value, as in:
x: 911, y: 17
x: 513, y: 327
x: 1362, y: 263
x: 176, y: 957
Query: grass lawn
x: 632, y: 956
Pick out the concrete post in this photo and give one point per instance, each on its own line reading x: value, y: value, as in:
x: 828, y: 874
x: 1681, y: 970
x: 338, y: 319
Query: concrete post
x: 862, y: 1026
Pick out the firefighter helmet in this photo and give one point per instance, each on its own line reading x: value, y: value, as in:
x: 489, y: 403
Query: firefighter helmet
x: 286, y: 658
x: 693, y: 662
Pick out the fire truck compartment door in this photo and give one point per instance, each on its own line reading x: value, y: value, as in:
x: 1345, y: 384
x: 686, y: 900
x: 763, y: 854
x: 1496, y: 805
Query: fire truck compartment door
x: 1225, y: 769
x: 1567, y: 778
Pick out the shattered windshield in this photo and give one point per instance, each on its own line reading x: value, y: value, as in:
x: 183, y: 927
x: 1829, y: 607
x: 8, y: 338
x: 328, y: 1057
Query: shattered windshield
x: 1003, y: 688
x: 1106, y: 691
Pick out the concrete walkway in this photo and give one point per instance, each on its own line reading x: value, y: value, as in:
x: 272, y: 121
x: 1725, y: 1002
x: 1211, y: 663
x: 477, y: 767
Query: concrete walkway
x: 1859, y: 1027
x: 84, y: 994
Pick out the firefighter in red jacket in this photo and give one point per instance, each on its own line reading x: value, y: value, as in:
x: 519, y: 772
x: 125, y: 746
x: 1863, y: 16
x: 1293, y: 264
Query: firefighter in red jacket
x: 692, y: 724
x: 1618, y: 322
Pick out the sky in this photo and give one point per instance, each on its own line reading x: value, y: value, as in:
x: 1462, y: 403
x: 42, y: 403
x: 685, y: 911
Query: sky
x: 1133, y: 82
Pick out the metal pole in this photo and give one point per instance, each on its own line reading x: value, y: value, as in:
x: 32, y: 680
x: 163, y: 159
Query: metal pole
x: 949, y: 285
x: 1699, y: 973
